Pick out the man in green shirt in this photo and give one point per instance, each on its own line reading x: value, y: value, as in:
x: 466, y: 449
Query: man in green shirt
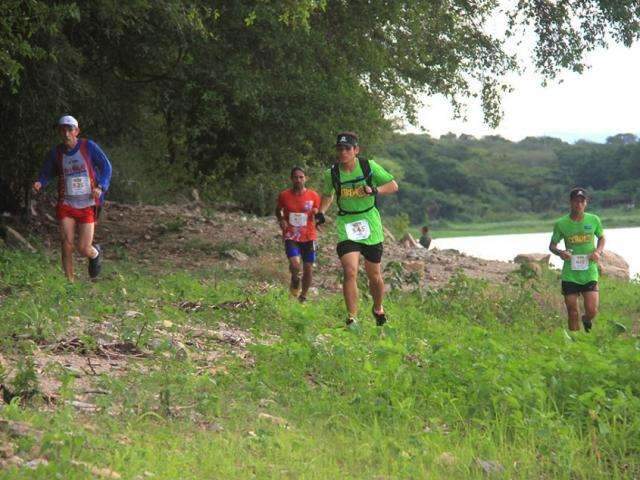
x: 356, y: 183
x: 580, y: 269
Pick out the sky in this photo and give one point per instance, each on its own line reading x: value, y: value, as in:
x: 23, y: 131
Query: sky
x: 603, y: 101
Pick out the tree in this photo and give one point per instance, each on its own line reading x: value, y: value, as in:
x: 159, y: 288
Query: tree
x: 243, y: 88
x: 622, y: 139
x: 459, y: 179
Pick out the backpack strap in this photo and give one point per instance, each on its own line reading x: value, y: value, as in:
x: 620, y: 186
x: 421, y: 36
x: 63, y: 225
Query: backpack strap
x: 367, y: 176
x: 58, y: 160
x: 335, y: 180
x: 366, y: 171
x: 59, y: 172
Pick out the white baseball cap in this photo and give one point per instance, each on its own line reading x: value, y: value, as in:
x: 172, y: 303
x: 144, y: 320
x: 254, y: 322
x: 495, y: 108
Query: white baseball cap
x: 68, y: 120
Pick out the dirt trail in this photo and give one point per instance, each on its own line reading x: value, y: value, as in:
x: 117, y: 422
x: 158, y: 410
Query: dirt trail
x: 189, y: 236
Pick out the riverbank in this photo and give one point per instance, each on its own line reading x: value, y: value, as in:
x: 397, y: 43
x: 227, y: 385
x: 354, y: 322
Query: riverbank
x: 611, y: 218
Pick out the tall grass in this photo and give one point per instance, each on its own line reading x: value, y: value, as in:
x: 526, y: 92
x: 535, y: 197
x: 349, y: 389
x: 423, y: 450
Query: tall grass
x: 472, y: 373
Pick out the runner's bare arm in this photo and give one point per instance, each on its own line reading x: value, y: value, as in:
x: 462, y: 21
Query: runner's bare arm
x: 388, y: 188
x: 325, y: 203
x: 597, y: 253
x: 563, y: 254
x: 47, y: 172
x: 281, y: 221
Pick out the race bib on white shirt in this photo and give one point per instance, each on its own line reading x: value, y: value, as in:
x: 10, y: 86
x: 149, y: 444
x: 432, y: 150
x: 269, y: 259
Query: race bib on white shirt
x: 359, y: 230
x: 298, y: 219
x: 579, y: 262
x: 78, y: 185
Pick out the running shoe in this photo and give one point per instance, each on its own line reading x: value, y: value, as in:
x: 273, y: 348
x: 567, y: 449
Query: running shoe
x: 302, y: 299
x: 95, y: 264
x: 350, y: 320
x: 295, y: 292
x: 381, y: 318
x: 586, y: 324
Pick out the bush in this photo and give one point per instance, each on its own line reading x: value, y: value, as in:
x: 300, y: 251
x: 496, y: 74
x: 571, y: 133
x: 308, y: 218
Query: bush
x: 145, y: 176
x: 400, y: 224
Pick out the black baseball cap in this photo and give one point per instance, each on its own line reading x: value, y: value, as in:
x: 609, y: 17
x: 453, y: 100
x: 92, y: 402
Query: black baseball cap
x: 347, y: 139
x: 578, y: 192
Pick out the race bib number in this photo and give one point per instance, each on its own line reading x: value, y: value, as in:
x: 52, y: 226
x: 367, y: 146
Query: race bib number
x: 78, y: 186
x: 579, y: 262
x: 298, y: 219
x: 358, y: 230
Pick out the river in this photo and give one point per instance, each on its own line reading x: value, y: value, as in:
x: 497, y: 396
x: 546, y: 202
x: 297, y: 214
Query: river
x: 506, y: 247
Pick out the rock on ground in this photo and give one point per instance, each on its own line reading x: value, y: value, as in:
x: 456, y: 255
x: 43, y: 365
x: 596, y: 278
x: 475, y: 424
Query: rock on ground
x: 614, y: 265
x: 540, y: 258
x: 236, y: 255
x: 534, y: 262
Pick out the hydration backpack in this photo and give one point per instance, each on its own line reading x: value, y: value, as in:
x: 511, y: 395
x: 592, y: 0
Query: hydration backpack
x: 367, y: 176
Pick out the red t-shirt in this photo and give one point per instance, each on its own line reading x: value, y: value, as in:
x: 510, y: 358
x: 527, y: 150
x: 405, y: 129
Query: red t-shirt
x: 297, y: 209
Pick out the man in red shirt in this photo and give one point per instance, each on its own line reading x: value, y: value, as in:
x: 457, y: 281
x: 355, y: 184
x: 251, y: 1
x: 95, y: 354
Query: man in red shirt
x: 295, y: 212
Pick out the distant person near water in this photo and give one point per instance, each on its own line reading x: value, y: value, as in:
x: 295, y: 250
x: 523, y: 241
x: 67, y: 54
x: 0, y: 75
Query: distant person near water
x: 356, y: 182
x: 295, y: 212
x: 581, y: 257
x: 84, y: 173
x: 425, y: 238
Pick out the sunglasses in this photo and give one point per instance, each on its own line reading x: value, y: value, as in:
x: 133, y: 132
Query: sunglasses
x: 343, y: 147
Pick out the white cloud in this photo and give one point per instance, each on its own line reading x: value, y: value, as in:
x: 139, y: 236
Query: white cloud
x: 603, y: 101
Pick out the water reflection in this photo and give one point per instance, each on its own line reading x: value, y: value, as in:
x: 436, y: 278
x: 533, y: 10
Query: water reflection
x: 623, y: 241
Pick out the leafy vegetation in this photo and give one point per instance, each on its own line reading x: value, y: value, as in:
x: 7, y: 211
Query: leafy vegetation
x: 528, y: 223
x: 233, y: 93
x: 469, y: 181
x: 469, y: 379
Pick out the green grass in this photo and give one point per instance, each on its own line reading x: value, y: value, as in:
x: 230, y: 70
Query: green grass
x: 474, y: 371
x: 527, y: 223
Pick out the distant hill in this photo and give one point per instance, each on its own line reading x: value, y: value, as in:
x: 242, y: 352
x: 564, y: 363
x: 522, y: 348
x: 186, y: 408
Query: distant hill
x: 468, y: 179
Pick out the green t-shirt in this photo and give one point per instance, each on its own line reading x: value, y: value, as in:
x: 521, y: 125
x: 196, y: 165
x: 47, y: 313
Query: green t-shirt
x: 360, y: 227
x: 579, y: 238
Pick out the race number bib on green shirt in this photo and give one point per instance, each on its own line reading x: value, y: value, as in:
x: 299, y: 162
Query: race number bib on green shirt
x: 298, y: 219
x: 579, y: 262
x: 358, y: 230
x: 579, y: 236
x: 353, y: 199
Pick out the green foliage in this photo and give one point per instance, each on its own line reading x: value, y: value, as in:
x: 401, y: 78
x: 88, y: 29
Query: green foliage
x: 200, y: 245
x: 172, y: 226
x: 25, y: 383
x: 143, y: 174
x: 241, y: 246
x: 234, y: 90
x: 399, y: 224
x: 21, y: 24
x: 475, y: 370
x: 396, y: 276
x: 472, y: 180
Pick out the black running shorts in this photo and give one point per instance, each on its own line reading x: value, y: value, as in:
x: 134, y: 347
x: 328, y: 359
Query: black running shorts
x: 571, y: 288
x: 371, y: 253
